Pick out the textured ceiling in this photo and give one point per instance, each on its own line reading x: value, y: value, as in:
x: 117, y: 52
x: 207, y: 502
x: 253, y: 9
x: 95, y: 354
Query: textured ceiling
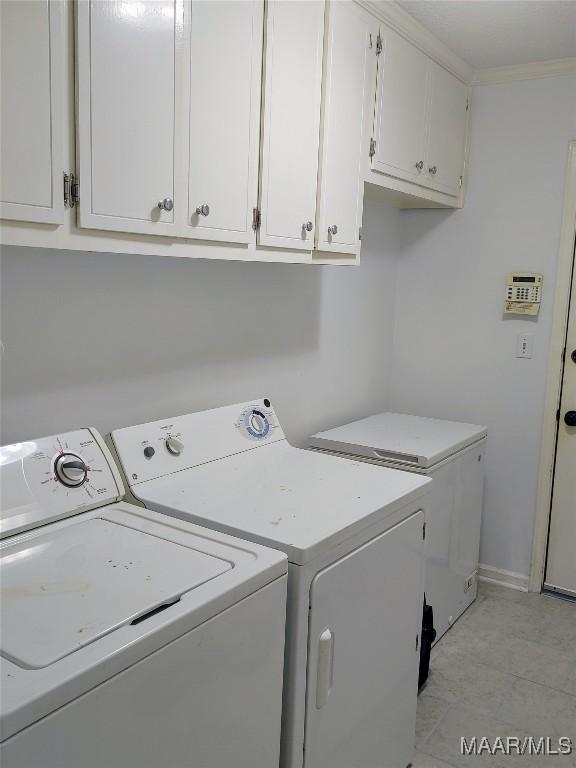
x: 496, y: 33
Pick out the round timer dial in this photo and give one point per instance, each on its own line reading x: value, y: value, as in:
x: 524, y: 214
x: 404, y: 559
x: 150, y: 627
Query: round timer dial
x: 71, y: 470
x: 256, y: 422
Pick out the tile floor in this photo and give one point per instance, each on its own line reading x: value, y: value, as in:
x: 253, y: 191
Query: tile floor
x: 506, y: 668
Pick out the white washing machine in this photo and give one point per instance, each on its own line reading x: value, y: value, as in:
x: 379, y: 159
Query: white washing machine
x: 452, y: 455
x: 129, y: 640
x: 354, y: 538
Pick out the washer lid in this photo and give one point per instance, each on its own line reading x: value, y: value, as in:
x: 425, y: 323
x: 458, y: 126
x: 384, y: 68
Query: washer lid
x: 63, y: 589
x: 399, y: 438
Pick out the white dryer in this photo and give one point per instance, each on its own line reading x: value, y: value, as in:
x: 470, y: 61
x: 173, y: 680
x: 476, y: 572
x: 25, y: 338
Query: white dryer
x: 452, y: 455
x: 354, y: 538
x: 129, y: 640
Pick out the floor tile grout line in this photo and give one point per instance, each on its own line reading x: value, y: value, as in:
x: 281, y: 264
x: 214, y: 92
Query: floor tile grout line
x: 437, y: 723
x: 518, y: 677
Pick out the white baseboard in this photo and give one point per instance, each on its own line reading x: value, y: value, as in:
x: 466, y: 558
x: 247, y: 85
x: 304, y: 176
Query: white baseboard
x: 503, y: 578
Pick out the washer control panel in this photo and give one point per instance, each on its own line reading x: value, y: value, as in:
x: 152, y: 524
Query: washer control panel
x: 149, y: 451
x: 56, y: 476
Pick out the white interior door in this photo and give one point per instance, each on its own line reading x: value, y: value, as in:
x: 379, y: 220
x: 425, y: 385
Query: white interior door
x: 444, y: 161
x: 349, y: 85
x: 127, y: 64
x: 31, y: 90
x: 291, y: 123
x: 362, y: 679
x: 225, y: 79
x: 561, y: 563
x: 401, y: 109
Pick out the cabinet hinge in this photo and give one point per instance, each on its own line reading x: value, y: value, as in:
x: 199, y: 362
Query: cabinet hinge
x: 467, y: 104
x: 360, y: 233
x: 71, y: 190
x: 460, y: 181
x: 417, y: 641
x: 372, y: 147
x: 424, y: 531
x: 379, y: 44
x: 255, y: 219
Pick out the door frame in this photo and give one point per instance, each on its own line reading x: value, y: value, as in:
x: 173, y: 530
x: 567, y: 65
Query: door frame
x: 554, y: 376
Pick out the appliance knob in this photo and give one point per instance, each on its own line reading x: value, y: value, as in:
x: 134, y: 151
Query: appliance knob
x: 174, y: 446
x: 570, y: 418
x: 257, y: 423
x: 71, y: 470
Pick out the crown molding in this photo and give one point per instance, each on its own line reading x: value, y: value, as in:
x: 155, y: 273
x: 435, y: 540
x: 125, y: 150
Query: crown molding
x: 533, y: 71
x: 396, y: 17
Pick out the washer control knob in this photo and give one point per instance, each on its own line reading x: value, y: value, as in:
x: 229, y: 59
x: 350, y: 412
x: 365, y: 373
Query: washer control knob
x: 149, y: 451
x: 71, y: 470
x: 174, y: 446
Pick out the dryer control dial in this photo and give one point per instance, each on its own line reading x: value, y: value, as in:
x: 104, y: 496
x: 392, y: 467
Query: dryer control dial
x: 174, y: 446
x: 71, y: 470
x: 256, y: 422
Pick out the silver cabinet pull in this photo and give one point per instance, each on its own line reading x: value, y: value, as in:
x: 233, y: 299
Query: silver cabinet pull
x: 420, y: 165
x: 308, y: 226
x: 333, y: 230
x: 432, y: 170
x: 166, y: 205
x: 203, y: 210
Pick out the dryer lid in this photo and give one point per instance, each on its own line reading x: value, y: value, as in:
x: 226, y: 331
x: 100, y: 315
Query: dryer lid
x: 63, y: 589
x: 400, y: 438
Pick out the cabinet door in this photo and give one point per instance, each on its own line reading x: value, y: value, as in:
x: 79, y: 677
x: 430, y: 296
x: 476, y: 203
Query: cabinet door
x: 349, y: 83
x: 225, y: 79
x: 127, y: 55
x: 362, y: 677
x: 400, y: 120
x: 31, y: 90
x: 291, y: 123
x: 447, y: 130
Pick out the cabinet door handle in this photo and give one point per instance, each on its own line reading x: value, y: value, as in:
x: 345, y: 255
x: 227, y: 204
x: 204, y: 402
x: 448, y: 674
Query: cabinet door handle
x: 420, y: 165
x: 325, y: 667
x: 432, y: 170
x: 333, y: 230
x: 203, y: 210
x: 308, y: 226
x: 166, y: 205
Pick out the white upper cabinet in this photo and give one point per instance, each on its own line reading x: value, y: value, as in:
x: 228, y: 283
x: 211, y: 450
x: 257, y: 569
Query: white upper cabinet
x: 291, y: 123
x: 401, y: 106
x: 225, y: 81
x: 447, y: 130
x: 31, y: 110
x: 128, y: 54
x: 348, y: 109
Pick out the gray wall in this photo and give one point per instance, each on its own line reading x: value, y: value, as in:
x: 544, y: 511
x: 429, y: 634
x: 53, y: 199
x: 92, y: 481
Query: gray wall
x: 454, y: 350
x: 113, y: 340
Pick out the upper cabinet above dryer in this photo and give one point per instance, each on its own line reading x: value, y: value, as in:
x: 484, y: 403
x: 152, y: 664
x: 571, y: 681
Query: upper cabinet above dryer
x: 291, y: 122
x: 225, y: 80
x: 348, y: 107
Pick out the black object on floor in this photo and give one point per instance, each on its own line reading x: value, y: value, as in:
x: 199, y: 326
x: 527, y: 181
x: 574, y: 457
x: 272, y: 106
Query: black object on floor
x: 427, y: 637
